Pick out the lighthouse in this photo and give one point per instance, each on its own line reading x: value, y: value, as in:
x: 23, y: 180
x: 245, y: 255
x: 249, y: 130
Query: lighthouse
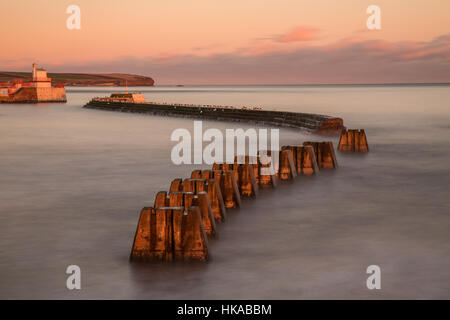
x: 39, y: 89
x: 40, y: 78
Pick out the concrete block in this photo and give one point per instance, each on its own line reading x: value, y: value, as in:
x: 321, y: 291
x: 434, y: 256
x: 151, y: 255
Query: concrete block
x: 324, y: 152
x: 216, y: 200
x: 247, y: 182
x: 287, y: 166
x: 189, y: 199
x: 267, y: 175
x: 176, y: 185
x: 230, y: 190
x: 353, y: 140
x: 196, y: 174
x: 161, y: 200
x: 207, y: 174
x: 189, y: 237
x: 304, y: 159
x: 202, y: 201
x: 154, y: 236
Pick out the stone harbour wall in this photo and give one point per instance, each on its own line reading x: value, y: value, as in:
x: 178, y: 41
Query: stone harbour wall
x: 318, y: 123
x: 35, y: 95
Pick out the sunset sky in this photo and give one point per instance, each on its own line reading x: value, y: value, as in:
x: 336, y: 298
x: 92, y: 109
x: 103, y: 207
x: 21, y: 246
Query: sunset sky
x: 232, y: 41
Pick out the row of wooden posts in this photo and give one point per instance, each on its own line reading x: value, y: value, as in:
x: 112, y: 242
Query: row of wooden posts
x: 177, y: 227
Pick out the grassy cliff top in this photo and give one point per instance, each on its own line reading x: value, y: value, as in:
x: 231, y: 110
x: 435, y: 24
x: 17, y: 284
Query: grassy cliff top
x: 85, y: 79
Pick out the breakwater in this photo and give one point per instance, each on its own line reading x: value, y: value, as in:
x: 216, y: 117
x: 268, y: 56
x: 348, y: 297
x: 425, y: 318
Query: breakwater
x: 321, y: 124
x: 177, y: 227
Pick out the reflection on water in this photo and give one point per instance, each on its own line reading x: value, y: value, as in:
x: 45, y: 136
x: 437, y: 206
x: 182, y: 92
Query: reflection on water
x: 73, y: 182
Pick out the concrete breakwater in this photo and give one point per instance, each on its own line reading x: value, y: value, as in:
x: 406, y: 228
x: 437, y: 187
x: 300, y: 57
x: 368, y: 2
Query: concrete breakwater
x: 321, y: 124
x: 177, y: 227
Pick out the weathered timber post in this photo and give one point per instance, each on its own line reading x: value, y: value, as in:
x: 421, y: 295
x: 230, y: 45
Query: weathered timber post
x: 324, y: 152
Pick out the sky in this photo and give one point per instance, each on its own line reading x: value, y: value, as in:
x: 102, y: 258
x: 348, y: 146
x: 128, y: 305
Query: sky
x: 232, y: 41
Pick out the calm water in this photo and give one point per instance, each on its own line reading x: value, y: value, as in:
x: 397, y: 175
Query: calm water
x: 74, y: 180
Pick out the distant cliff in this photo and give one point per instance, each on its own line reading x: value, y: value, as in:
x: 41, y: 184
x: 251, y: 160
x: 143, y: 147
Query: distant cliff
x: 85, y: 79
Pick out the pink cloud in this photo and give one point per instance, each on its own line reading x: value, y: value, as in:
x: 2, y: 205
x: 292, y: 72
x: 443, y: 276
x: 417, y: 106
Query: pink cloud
x: 300, y: 33
x: 355, y: 61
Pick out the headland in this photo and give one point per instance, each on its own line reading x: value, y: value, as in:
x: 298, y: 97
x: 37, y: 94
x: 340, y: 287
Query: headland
x: 86, y: 79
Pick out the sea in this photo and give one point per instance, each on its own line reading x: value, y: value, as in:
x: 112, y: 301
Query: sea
x: 73, y: 181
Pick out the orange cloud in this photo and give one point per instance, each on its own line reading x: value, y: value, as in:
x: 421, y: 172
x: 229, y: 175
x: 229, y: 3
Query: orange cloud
x: 301, y: 33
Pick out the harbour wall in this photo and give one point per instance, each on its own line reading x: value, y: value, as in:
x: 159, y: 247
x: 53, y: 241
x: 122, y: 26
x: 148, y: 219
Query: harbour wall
x: 35, y: 95
x: 321, y: 124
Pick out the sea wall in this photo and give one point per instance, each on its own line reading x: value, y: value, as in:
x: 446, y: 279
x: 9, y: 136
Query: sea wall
x: 35, y: 95
x: 314, y: 122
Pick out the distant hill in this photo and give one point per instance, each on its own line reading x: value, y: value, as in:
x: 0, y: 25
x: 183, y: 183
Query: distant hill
x: 85, y: 79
